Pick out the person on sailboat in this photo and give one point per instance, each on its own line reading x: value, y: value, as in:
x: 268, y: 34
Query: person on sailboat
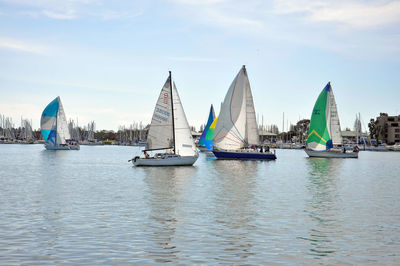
x: 146, y: 155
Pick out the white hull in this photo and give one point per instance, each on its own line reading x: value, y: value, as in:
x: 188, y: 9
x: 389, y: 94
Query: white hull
x: 331, y: 154
x: 62, y: 148
x: 165, y: 161
x: 376, y: 148
x: 393, y: 148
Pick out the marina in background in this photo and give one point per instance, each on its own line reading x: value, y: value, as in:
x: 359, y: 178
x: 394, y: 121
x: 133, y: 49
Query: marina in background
x: 369, y: 137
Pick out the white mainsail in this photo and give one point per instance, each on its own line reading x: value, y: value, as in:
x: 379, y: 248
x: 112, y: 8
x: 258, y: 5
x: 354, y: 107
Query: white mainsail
x: 333, y: 120
x: 237, y: 125
x: 184, y: 143
x: 160, y: 134
x: 62, y: 125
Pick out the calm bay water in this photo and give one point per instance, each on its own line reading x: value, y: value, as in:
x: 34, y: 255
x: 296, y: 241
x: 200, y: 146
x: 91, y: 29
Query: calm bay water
x: 92, y: 206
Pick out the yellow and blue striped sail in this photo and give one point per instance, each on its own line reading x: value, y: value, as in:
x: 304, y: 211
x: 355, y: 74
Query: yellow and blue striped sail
x: 210, y: 135
x: 48, y: 121
x: 211, y: 118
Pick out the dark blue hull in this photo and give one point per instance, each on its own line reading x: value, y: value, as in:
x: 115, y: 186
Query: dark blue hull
x: 244, y: 155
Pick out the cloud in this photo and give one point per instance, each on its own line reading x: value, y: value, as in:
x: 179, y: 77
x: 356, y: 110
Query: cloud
x: 356, y: 14
x: 73, y: 9
x: 258, y: 14
x: 18, y: 45
x: 68, y: 14
x: 356, y: 28
x: 66, y: 9
x: 221, y: 13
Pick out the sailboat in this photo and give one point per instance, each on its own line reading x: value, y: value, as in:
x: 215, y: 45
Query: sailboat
x: 54, y: 127
x: 324, y: 136
x: 202, y: 140
x: 169, y: 130
x: 236, y: 133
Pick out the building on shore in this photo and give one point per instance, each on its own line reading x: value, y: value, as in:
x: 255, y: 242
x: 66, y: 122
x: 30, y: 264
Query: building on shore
x: 385, y: 128
x: 351, y: 137
x: 267, y: 137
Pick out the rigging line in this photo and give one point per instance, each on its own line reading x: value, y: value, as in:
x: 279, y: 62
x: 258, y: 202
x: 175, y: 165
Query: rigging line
x: 234, y: 140
x: 236, y: 136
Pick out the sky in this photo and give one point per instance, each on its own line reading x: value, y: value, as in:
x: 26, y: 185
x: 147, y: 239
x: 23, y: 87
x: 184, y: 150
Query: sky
x: 108, y: 60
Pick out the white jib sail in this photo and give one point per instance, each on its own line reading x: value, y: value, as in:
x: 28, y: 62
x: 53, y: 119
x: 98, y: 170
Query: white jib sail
x: 230, y: 130
x: 333, y: 120
x: 252, y: 136
x: 160, y: 131
x: 184, y: 143
x: 62, y: 126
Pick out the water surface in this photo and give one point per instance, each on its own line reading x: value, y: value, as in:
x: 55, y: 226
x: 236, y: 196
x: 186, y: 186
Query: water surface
x: 92, y: 206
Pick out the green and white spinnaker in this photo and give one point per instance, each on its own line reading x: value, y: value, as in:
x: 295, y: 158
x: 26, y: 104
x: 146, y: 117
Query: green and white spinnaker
x: 324, y: 130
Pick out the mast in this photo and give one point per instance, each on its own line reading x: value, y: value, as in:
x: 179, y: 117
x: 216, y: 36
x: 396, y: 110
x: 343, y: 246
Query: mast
x: 172, y: 111
x: 55, y: 139
x: 246, y: 140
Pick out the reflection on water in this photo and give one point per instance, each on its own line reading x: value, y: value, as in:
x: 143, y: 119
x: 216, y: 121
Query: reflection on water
x: 235, y: 214
x: 165, y: 188
x: 92, y: 207
x: 321, y: 205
